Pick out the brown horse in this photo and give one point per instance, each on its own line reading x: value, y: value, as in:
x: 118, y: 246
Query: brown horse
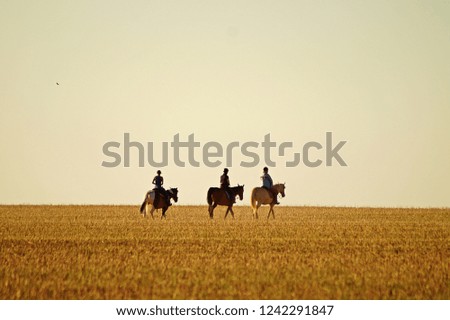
x: 262, y: 196
x: 217, y: 196
x: 172, y: 193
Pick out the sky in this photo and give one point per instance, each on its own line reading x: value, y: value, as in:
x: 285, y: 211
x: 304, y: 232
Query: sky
x: 76, y: 75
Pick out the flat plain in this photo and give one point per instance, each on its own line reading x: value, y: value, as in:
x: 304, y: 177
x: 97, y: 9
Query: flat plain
x: 112, y: 252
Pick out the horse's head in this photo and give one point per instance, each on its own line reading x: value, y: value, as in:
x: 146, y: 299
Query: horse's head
x: 240, y: 191
x: 173, y: 193
x: 280, y: 187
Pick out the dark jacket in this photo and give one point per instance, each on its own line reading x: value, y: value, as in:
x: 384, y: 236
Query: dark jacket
x: 224, y: 181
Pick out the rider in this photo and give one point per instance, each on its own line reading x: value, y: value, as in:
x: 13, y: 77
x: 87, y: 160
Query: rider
x: 158, y: 181
x: 225, y: 185
x: 268, y: 185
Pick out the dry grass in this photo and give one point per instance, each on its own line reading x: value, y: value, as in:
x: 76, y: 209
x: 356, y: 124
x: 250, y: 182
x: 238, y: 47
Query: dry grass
x: 111, y: 252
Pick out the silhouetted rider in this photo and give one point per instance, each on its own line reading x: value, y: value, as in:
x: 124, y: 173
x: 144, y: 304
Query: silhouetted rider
x: 268, y: 184
x: 158, y: 181
x: 225, y: 185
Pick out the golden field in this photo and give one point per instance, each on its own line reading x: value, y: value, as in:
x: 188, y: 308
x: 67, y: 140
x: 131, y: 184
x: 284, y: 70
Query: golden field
x: 112, y: 252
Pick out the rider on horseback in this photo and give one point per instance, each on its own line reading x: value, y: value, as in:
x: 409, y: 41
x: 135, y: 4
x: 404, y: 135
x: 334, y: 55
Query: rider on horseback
x: 158, y: 181
x: 268, y: 185
x: 225, y: 185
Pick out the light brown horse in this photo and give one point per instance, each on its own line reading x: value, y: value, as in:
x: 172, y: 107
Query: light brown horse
x: 262, y: 196
x: 217, y: 196
x: 172, y: 193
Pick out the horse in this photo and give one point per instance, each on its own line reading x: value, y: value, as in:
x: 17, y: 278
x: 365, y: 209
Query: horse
x: 172, y: 193
x: 217, y: 196
x: 262, y: 196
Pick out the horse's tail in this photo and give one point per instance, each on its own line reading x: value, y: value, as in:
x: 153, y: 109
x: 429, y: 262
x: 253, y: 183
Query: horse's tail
x: 143, y: 206
x: 253, y: 199
x: 144, y: 203
x: 209, y: 196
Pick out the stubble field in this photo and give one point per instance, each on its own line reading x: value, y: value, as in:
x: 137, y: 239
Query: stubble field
x: 111, y: 252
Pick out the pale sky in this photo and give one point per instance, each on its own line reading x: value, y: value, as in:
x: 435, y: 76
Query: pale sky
x: 375, y: 73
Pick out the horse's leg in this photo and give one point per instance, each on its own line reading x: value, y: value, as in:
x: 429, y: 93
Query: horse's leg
x: 231, y: 210
x: 163, y: 215
x: 147, y: 209
x: 271, y: 210
x: 211, y: 214
x: 255, y: 210
x: 258, y: 204
x: 151, y: 212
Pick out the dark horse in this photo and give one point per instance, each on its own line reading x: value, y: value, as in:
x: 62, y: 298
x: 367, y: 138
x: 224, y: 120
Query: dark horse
x: 217, y: 196
x: 172, y: 193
